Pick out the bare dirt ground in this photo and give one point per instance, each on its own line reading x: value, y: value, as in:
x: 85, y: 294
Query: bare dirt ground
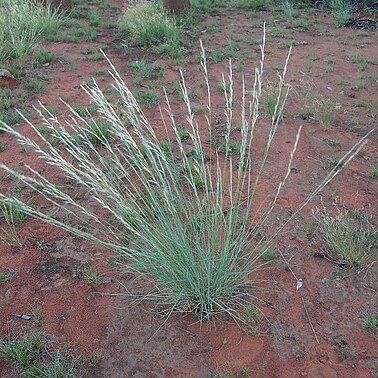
x: 335, y: 66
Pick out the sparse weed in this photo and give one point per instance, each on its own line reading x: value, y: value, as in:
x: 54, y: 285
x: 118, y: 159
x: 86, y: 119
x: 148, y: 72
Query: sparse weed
x: 227, y: 52
x: 148, y: 99
x: 30, y: 358
x: 42, y: 58
x: 101, y: 72
x: 354, y: 241
x: 310, y: 227
x: 10, y: 100
x: 277, y: 31
x: 34, y: 85
x: 213, y: 28
x: 57, y: 364
x: 326, y: 111
x: 300, y: 25
x: 374, y: 171
x: 269, y: 255
x: 92, y: 277
x: 37, y: 317
x: 321, y: 109
x: 362, y: 62
x: 147, y: 70
x: 3, y: 276
x: 370, y: 321
x: 333, y: 162
x: 360, y: 85
x: 269, y: 102
x: 22, y: 352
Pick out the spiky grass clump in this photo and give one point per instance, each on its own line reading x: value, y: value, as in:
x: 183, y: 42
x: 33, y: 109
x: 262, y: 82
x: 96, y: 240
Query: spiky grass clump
x: 23, y: 351
x: 31, y: 358
x: 181, y: 214
x: 354, y: 241
x: 22, y: 22
x: 148, y: 24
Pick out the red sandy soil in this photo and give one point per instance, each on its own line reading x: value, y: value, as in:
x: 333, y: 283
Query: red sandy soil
x: 49, y: 265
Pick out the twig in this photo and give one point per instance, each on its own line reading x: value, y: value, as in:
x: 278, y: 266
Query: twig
x: 302, y: 297
x: 308, y: 316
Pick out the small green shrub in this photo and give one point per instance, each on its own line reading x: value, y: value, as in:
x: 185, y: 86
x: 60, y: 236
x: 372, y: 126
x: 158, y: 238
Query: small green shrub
x: 94, y: 18
x: 354, y: 241
x: 288, y: 9
x: 148, y: 24
x: 341, y: 10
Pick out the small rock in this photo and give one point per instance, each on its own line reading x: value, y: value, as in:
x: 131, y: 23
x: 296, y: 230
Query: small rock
x: 7, y: 80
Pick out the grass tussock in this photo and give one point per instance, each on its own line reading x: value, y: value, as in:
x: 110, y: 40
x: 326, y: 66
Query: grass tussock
x: 354, y: 241
x: 149, y: 24
x: 180, y: 213
x: 22, y: 23
x: 29, y: 357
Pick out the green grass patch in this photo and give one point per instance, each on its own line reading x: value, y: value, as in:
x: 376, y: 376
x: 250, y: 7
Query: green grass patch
x: 10, y: 100
x: 42, y: 58
x: 354, y: 241
x: 148, y: 24
x: 22, y: 24
x: 370, y: 321
x: 252, y: 4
